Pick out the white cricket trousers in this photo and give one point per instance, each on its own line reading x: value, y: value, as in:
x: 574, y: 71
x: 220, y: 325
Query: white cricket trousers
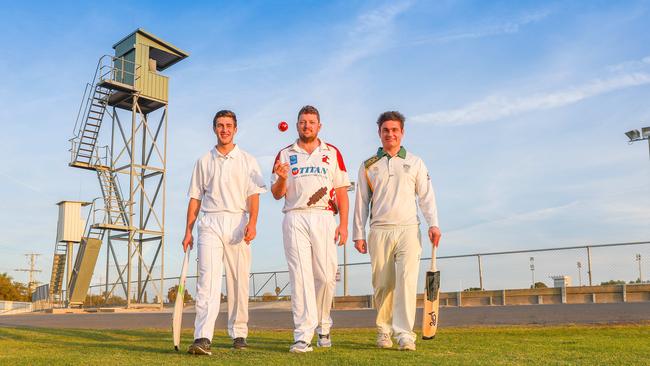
x: 221, y: 241
x: 310, y: 251
x: 395, y: 260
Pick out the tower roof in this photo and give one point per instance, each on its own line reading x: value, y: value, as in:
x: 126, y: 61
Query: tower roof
x: 165, y: 53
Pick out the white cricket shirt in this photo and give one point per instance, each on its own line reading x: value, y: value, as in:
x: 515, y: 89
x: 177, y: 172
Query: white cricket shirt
x: 224, y: 182
x: 313, y: 177
x: 389, y: 190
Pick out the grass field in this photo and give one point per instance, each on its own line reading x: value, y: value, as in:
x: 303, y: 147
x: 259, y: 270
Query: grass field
x: 565, y: 345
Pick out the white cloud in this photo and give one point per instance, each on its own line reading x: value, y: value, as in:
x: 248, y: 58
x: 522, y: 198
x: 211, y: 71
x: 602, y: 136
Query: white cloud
x: 368, y: 35
x: 508, y: 27
x: 497, y: 106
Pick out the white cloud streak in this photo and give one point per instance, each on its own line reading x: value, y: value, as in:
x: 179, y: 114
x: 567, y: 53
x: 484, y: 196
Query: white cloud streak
x: 508, y: 27
x: 367, y: 36
x: 498, y: 107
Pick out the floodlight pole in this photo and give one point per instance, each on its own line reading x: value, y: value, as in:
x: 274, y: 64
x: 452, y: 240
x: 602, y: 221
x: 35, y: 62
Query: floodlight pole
x: 635, y: 135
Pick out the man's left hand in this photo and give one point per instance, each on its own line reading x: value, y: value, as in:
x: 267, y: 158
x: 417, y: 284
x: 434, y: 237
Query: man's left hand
x: 341, y: 235
x: 434, y: 235
x: 249, y: 233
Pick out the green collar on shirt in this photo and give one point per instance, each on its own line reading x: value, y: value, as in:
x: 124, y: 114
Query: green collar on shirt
x: 401, y: 153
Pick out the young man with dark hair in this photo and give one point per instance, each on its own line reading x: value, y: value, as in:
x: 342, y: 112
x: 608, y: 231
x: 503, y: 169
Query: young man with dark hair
x: 311, y: 176
x: 388, y: 184
x: 225, y: 187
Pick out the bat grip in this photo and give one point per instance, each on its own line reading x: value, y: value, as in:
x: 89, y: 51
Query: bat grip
x: 434, y: 249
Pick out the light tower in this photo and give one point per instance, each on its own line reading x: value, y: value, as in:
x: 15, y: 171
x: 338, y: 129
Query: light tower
x: 128, y: 92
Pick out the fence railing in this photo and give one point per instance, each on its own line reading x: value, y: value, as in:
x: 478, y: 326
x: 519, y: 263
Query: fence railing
x: 14, y: 307
x: 582, y: 265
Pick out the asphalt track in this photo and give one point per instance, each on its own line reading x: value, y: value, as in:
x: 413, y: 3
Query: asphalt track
x: 280, y: 317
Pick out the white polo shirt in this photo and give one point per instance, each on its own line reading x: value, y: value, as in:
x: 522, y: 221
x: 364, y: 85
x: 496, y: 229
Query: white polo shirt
x: 224, y: 182
x: 313, y: 177
x: 387, y: 190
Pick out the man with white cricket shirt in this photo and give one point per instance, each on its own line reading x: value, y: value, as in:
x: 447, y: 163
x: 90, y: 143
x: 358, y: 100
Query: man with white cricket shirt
x: 225, y: 187
x: 388, y: 184
x: 311, y: 176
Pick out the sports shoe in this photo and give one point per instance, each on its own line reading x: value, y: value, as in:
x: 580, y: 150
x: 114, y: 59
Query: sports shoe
x: 201, y: 346
x: 324, y: 341
x: 406, y: 344
x: 239, y: 343
x: 300, y: 347
x: 383, y: 340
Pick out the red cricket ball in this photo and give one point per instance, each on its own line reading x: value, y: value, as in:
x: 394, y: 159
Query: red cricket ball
x: 283, y: 126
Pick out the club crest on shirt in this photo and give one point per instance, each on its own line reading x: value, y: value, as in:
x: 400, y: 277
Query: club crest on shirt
x: 293, y: 159
x: 326, y: 159
x: 406, y: 168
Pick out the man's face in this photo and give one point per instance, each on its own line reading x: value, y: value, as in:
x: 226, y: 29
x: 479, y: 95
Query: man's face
x: 225, y: 130
x: 391, y: 134
x: 308, y: 127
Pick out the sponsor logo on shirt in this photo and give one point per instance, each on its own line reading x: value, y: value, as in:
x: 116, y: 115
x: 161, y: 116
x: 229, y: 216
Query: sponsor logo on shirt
x: 326, y: 159
x: 309, y: 170
x: 293, y: 159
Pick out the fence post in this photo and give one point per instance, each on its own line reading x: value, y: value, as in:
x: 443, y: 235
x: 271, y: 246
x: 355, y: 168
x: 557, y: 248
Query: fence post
x: 254, y: 291
x: 480, y: 272
x: 589, y: 264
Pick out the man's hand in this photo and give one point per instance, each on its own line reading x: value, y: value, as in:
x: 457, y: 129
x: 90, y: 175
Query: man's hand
x: 281, y: 169
x: 249, y: 232
x: 188, y: 241
x: 341, y: 235
x: 361, y: 246
x: 434, y: 235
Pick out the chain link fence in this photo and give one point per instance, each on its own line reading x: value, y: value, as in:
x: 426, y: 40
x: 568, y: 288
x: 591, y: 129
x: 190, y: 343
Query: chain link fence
x: 584, y: 265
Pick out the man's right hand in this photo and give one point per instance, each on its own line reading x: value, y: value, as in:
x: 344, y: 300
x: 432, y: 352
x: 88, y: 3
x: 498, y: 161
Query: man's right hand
x: 281, y: 169
x: 188, y: 241
x: 361, y: 246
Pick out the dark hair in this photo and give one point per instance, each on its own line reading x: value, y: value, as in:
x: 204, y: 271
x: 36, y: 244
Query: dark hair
x: 391, y: 116
x: 308, y: 109
x: 224, y: 113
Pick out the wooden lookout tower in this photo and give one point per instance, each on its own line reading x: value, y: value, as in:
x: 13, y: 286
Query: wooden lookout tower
x: 125, y: 105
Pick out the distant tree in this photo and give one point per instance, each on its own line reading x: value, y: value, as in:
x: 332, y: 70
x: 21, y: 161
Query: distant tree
x: 638, y: 281
x: 613, y: 282
x: 100, y: 300
x: 171, y: 295
x: 473, y: 289
x: 11, y: 290
x: 539, y: 285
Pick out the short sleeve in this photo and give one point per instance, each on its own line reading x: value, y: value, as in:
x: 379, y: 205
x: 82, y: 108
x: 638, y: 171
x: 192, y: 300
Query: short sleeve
x: 255, y: 181
x: 197, y: 187
x: 341, y: 178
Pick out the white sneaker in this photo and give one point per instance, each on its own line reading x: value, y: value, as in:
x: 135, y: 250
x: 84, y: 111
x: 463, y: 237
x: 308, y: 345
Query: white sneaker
x: 324, y: 341
x: 383, y: 340
x: 406, y: 344
x: 300, y: 347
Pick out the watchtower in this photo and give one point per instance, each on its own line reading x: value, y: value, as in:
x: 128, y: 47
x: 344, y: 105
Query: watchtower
x: 128, y: 92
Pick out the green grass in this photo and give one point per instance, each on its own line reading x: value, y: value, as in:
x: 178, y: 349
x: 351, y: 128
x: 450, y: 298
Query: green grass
x: 557, y: 345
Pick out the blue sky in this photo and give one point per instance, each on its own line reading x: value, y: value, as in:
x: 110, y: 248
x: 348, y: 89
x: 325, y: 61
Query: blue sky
x: 517, y: 108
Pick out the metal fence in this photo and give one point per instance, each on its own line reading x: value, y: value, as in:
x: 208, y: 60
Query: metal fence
x: 584, y: 265
x: 14, y: 307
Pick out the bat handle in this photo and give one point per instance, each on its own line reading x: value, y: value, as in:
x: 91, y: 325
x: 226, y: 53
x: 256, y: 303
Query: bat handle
x: 434, y: 249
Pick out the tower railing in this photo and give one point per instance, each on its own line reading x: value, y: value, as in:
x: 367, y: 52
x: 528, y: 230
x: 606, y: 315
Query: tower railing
x: 109, y: 68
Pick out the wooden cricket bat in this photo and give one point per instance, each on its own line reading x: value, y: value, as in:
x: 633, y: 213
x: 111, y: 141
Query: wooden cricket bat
x: 177, y: 318
x: 431, y: 299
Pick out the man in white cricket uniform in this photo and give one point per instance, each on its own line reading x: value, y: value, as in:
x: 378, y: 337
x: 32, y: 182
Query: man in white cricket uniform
x: 225, y: 186
x: 388, y: 185
x: 311, y: 176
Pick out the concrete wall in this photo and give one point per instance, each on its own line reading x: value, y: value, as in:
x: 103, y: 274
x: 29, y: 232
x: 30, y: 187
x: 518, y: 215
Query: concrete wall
x: 568, y: 295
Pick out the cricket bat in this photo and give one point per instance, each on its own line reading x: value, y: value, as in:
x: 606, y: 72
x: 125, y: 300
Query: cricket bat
x: 431, y: 300
x: 177, y: 318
